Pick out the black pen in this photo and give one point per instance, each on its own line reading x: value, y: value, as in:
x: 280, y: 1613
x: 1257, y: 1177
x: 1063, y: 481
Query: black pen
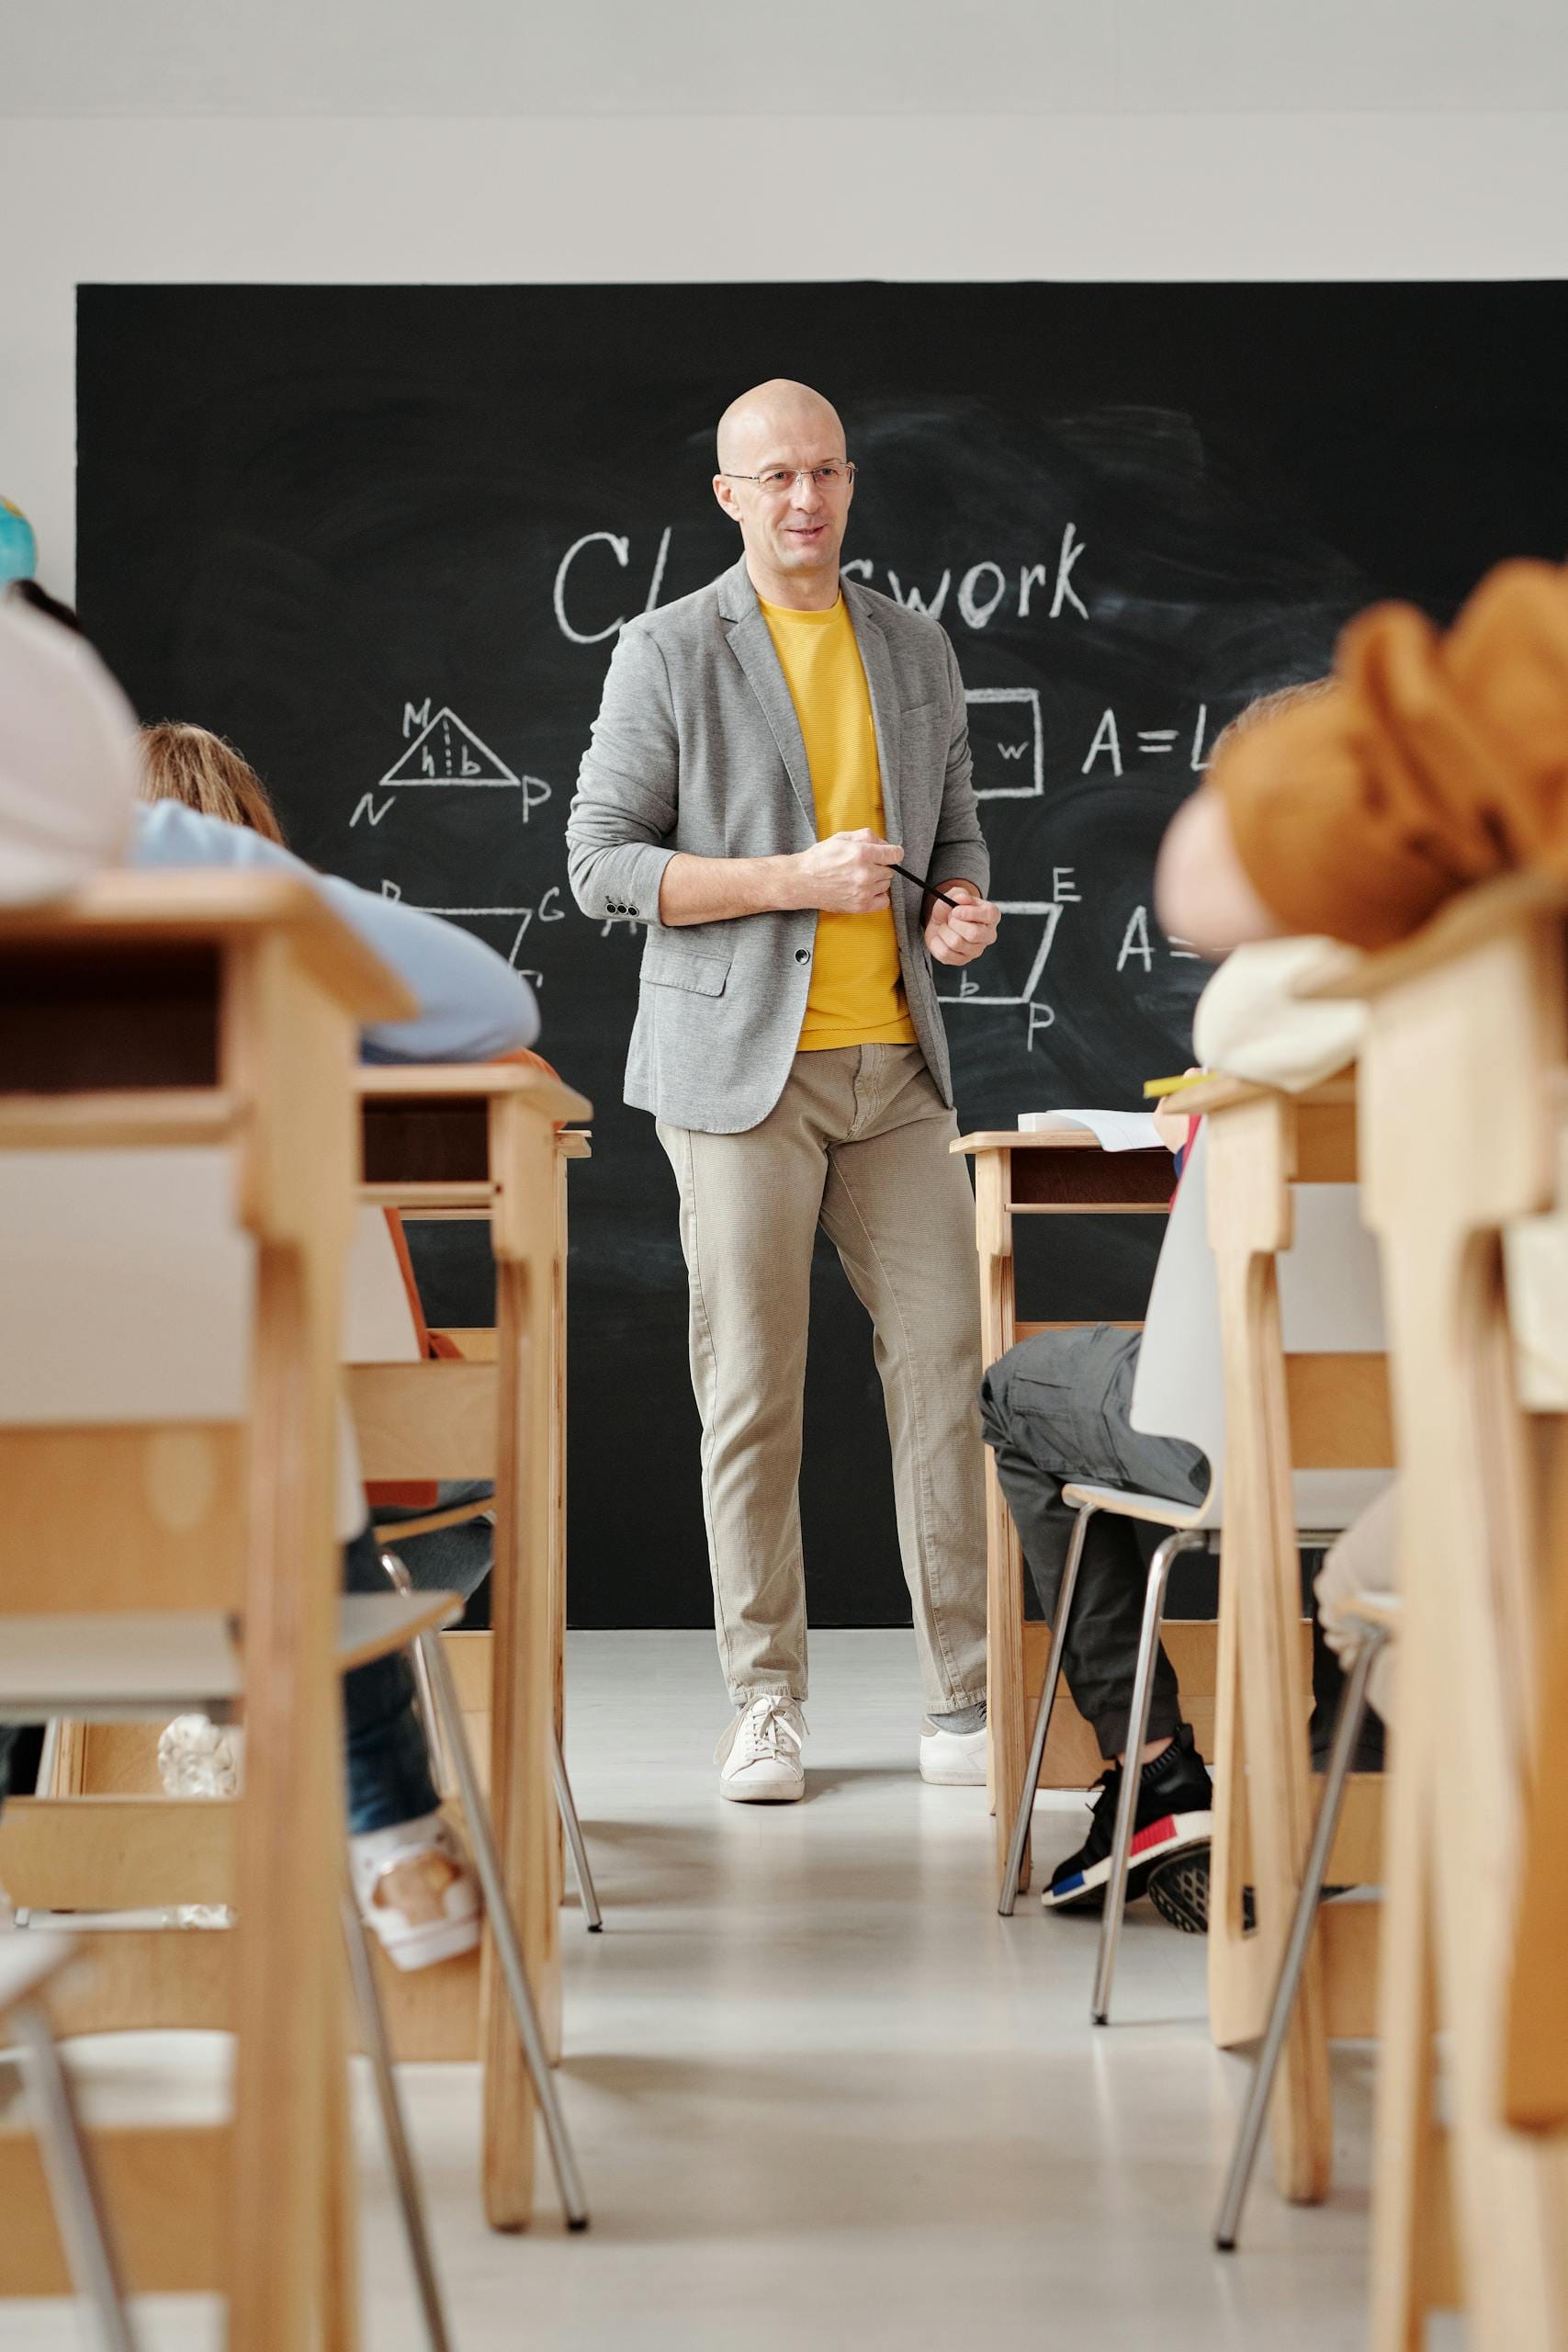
x: 919, y: 883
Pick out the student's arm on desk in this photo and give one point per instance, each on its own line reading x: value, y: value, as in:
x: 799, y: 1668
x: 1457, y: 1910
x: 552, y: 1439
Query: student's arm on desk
x: 472, y: 1004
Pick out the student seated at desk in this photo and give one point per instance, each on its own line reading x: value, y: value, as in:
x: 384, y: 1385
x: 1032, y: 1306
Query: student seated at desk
x: 193, y: 767
x: 1057, y: 1408
x: 62, y: 722
x: 203, y: 804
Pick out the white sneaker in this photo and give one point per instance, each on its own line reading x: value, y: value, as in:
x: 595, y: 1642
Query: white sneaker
x: 953, y: 1759
x: 416, y: 1889
x: 761, y: 1753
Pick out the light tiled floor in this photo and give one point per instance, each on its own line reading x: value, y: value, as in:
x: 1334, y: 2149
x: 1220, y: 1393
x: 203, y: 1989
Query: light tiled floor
x: 824, y: 2097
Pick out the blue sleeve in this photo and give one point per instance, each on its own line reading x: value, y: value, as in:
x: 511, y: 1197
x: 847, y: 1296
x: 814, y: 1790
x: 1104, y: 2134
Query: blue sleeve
x: 472, y: 1005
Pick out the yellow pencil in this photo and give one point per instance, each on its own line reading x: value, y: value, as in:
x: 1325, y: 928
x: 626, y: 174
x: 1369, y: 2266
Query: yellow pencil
x: 1156, y: 1086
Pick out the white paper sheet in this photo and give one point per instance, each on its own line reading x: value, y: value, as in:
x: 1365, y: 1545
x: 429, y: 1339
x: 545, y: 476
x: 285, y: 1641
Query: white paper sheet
x: 1114, y: 1130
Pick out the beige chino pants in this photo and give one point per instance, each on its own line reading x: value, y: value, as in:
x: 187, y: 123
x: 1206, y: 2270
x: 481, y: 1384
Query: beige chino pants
x: 857, y: 1143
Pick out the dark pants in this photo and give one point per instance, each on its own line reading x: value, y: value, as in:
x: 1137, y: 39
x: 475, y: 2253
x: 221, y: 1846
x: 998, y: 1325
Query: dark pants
x: 1055, y: 1410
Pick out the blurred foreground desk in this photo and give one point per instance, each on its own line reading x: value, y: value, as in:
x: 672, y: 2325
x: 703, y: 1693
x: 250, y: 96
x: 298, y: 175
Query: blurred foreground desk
x: 1060, y: 1174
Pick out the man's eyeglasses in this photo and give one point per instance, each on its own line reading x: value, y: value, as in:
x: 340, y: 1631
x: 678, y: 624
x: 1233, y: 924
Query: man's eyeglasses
x: 782, y: 479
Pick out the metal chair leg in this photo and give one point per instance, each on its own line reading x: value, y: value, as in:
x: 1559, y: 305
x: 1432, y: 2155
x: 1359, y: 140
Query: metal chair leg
x: 1025, y: 1813
x: 503, y: 1928
x: 567, y: 1804
x: 1160, y: 1566
x: 379, y: 2050
x: 74, y: 2182
x: 1346, y: 1732
x: 440, y: 1762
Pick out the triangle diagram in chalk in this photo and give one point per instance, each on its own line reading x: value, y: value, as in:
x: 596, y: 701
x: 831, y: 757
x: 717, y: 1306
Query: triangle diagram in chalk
x: 446, y: 752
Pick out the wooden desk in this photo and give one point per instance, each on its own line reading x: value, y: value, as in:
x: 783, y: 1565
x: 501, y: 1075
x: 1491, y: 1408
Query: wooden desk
x: 483, y: 1141
x: 1055, y: 1174
x: 148, y: 1010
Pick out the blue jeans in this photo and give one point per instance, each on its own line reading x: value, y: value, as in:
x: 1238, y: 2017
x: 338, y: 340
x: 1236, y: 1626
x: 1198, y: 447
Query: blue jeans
x: 387, y: 1759
x: 384, y: 1747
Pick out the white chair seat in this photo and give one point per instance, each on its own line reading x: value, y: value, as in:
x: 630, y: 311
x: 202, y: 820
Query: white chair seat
x: 1326, y: 1501
x: 132, y: 1665
x: 1158, y: 1508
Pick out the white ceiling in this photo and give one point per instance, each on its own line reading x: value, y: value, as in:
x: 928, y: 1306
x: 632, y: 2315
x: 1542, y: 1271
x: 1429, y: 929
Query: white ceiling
x: 158, y: 58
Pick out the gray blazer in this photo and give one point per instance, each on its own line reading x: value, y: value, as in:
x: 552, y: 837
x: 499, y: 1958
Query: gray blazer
x: 697, y: 748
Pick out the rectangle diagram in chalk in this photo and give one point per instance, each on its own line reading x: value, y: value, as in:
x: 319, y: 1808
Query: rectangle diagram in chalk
x: 974, y: 990
x: 1007, y: 741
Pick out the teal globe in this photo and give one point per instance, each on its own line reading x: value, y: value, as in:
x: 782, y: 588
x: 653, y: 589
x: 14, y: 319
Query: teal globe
x: 18, y: 549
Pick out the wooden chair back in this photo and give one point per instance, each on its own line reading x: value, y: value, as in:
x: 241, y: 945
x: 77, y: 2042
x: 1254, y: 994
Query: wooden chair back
x: 1462, y: 1084
x: 1309, y: 1444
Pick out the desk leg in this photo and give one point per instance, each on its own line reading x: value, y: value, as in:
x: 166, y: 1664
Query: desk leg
x: 291, y: 2195
x: 521, y: 1792
x: 555, y: 1541
x: 1005, y: 1709
x: 1412, y: 2208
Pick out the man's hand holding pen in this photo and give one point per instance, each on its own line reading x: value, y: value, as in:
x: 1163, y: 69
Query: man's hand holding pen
x: 852, y: 874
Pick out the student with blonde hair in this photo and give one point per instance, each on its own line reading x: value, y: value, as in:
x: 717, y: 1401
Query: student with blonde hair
x: 204, y: 772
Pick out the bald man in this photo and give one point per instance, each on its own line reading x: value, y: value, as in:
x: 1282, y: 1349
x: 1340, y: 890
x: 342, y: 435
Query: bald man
x: 767, y: 754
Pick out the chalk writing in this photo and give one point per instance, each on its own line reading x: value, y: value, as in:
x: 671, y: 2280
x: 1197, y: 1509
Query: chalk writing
x: 972, y: 992
x: 1105, y: 739
x: 1005, y: 723
x: 522, y: 916
x: 588, y: 585
x: 448, y: 752
x: 620, y: 547
x: 1138, y: 944
x: 914, y: 601
x: 1154, y: 743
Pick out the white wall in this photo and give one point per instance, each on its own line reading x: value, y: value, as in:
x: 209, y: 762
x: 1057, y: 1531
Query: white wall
x: 338, y: 140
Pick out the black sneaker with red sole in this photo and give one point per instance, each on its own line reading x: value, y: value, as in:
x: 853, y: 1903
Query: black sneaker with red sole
x: 1172, y: 1829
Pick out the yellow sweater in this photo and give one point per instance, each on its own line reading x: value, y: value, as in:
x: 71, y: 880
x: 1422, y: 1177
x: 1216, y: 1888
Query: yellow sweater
x: 857, y: 989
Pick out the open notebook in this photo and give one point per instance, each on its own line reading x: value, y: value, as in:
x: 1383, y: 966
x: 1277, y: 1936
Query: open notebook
x: 1113, y: 1130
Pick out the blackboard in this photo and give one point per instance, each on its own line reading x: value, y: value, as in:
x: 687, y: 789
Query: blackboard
x: 382, y: 537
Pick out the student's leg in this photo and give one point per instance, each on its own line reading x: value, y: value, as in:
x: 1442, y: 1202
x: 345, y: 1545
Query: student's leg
x: 454, y: 1559
x: 384, y: 1745
x: 748, y: 1209
x: 1055, y: 1410
x: 899, y: 1211
x: 414, y: 1883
